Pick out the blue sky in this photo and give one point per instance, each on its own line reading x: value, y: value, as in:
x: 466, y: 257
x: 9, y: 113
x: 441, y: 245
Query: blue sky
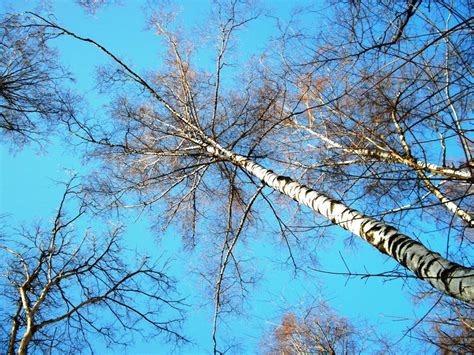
x: 29, y: 193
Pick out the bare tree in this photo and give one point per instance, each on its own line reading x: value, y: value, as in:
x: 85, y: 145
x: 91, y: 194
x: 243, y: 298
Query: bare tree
x: 33, y: 98
x: 392, y: 115
x: 61, y: 291
x: 452, y: 331
x: 319, y: 331
x: 176, y: 136
x: 372, y: 112
x: 92, y: 6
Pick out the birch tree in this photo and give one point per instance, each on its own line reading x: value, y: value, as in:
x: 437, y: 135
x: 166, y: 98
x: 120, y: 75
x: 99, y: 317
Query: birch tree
x: 61, y: 291
x: 175, y: 132
x: 319, y: 330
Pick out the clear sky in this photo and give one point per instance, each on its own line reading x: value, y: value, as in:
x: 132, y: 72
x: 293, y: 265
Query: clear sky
x: 29, y: 192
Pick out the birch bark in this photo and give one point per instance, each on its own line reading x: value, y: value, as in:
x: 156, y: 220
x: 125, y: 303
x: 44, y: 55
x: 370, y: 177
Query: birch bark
x: 444, y: 275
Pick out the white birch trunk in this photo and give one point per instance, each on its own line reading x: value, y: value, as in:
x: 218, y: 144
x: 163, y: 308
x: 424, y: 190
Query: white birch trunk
x: 448, y: 277
x: 462, y: 174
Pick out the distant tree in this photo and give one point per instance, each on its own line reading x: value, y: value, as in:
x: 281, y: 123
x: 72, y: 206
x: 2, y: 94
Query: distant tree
x: 452, y: 331
x: 319, y: 331
x: 92, y: 6
x: 61, y: 291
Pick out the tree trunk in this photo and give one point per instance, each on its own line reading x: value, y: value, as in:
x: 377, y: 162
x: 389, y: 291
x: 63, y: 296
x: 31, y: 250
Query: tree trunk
x: 25, y: 341
x: 14, y: 331
x: 448, y: 277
